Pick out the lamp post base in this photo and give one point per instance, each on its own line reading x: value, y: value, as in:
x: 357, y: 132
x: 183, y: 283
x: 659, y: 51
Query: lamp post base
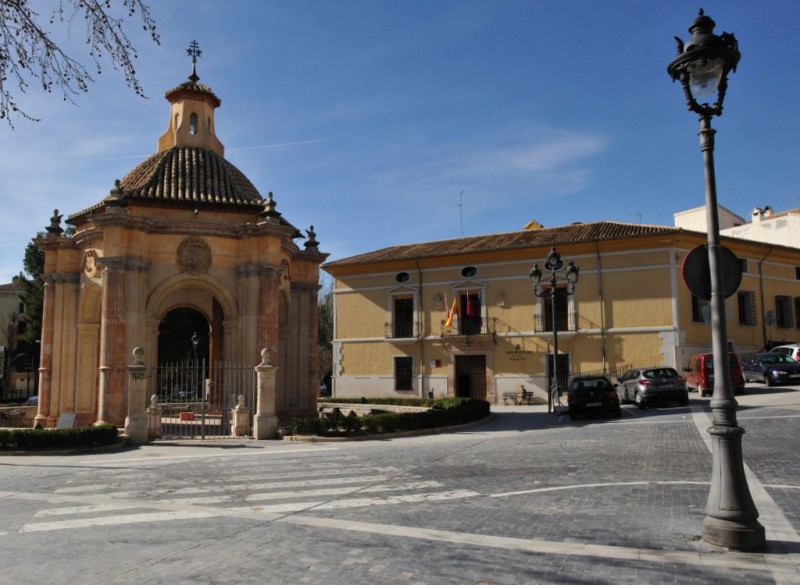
x: 731, y: 517
x: 733, y: 535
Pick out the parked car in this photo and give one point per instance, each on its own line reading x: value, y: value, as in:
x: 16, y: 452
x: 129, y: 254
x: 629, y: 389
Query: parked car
x: 645, y: 386
x: 792, y: 351
x: 699, y: 374
x: 32, y: 401
x: 770, y: 368
x: 592, y: 394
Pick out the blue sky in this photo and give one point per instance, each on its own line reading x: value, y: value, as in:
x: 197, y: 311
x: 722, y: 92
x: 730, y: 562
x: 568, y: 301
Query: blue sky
x: 383, y: 122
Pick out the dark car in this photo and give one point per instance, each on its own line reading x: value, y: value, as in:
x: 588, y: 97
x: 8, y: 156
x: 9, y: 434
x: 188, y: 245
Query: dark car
x: 645, y: 386
x: 770, y: 368
x: 592, y: 394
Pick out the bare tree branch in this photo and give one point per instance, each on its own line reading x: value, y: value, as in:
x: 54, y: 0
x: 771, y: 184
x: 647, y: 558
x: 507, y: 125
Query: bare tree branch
x: 29, y: 53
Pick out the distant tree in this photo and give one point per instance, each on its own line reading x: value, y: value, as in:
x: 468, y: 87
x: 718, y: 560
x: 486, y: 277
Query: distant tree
x: 30, y: 281
x: 28, y: 51
x: 325, y: 330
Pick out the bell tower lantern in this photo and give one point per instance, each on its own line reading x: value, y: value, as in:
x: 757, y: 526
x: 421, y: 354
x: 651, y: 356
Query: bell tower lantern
x: 191, y: 117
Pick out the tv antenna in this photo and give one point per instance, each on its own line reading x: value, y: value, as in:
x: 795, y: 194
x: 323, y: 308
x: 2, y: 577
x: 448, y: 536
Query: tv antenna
x: 461, y: 210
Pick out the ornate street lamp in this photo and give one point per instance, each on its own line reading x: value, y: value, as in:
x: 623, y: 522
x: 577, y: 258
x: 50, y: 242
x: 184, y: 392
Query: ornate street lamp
x: 702, y: 68
x: 554, y: 265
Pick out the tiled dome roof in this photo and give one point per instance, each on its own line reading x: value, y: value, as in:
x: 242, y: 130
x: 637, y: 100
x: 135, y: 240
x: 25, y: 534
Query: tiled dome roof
x: 192, y: 175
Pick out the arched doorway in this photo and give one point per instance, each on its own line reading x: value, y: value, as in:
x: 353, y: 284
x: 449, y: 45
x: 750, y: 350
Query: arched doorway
x: 183, y: 335
x: 183, y: 352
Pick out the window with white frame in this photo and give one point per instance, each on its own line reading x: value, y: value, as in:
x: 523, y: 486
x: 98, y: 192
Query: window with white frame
x: 403, y: 316
x: 469, y: 318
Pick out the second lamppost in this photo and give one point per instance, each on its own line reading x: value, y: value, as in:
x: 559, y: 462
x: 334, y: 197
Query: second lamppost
x: 702, y: 68
x: 550, y: 289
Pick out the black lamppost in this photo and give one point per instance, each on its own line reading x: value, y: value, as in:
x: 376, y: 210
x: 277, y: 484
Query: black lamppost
x: 554, y: 264
x: 195, y: 376
x: 702, y: 68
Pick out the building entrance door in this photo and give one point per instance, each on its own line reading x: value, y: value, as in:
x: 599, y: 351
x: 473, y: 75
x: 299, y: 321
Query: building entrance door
x: 471, y: 376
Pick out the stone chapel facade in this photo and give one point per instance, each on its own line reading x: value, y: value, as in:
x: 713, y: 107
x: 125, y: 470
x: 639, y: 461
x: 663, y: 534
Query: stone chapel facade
x: 184, y: 229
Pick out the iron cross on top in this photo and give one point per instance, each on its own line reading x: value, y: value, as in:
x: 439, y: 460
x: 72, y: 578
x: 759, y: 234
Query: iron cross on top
x: 194, y: 51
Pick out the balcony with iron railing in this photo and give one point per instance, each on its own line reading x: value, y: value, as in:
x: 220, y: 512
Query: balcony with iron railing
x: 400, y: 330
x: 563, y: 321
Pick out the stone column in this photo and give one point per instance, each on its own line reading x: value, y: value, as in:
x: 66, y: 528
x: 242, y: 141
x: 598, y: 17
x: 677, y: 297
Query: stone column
x: 46, y: 355
x: 266, y: 419
x: 112, y: 343
x: 268, y: 303
x: 136, y: 422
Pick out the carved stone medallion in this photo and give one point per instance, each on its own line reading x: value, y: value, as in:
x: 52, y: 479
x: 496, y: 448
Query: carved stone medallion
x: 90, y: 263
x: 194, y: 256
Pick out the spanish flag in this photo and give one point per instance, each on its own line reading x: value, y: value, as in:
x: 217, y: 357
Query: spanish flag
x: 452, y: 312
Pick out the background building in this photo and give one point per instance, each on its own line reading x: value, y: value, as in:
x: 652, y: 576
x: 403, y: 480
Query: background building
x: 17, y: 362
x: 630, y: 307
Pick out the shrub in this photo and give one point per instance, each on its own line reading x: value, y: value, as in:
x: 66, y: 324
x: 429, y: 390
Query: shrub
x: 34, y: 439
x: 443, y: 412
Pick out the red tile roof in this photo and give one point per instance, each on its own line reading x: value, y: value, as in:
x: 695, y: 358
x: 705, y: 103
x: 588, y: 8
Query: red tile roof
x: 568, y: 234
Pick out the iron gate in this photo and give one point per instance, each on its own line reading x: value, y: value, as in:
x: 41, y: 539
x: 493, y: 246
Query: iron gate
x: 197, y: 399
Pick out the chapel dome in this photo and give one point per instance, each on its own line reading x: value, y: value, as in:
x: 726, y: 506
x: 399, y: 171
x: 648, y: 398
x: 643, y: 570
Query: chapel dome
x: 190, y: 175
x: 189, y: 167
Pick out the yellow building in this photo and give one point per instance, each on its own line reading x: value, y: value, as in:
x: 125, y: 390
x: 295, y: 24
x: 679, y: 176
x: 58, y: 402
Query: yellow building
x: 630, y: 307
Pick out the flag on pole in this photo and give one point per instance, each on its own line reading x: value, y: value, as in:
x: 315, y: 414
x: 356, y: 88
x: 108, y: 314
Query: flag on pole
x: 452, y: 312
x: 470, y: 306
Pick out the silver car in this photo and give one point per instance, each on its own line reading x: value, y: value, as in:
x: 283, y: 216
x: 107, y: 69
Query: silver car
x: 645, y: 386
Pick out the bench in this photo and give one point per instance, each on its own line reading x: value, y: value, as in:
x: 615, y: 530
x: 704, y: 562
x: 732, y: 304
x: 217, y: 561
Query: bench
x: 512, y: 397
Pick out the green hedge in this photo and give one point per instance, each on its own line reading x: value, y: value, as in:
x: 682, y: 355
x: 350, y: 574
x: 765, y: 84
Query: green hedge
x: 443, y: 412
x: 34, y: 439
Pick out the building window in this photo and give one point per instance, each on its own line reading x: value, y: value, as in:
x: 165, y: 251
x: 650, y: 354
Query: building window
x: 193, y: 124
x: 469, y: 271
x: 797, y: 272
x: 701, y: 310
x: 402, y: 277
x: 403, y: 317
x: 559, y: 315
x: 22, y: 327
x: 21, y: 309
x: 469, y: 317
x: 747, y: 307
x: 783, y: 311
x: 797, y: 312
x: 403, y: 373
x: 743, y: 265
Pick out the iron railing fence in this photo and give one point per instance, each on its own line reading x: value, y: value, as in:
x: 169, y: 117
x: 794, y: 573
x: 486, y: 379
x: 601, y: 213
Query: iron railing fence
x: 196, y: 398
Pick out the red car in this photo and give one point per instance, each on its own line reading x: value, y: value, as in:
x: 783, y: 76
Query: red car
x: 699, y: 374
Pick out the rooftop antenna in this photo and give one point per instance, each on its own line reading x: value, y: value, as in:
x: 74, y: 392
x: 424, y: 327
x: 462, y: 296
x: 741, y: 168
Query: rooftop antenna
x: 638, y: 215
x: 461, y: 210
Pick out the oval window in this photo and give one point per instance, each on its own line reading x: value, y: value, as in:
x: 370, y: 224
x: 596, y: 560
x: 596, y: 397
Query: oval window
x: 469, y: 271
x: 402, y: 277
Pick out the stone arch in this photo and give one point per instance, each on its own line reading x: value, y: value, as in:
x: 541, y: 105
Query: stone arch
x: 204, y: 293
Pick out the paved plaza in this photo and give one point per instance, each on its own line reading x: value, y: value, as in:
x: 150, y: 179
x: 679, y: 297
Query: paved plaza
x: 524, y: 498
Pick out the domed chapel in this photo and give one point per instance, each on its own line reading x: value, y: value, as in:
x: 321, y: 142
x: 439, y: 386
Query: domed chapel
x: 185, y: 230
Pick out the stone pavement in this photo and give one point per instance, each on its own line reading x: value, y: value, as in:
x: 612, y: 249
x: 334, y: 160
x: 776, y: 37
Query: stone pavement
x: 524, y: 498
